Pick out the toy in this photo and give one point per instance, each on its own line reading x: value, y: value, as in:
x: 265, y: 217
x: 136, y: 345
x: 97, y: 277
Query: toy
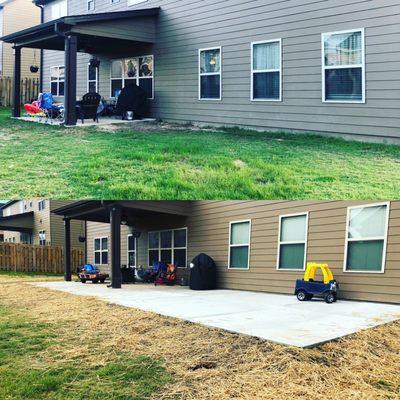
x: 307, y: 288
x: 90, y: 273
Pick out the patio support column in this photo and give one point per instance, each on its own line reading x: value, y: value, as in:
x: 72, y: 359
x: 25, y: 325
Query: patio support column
x: 71, y: 48
x: 67, y: 250
x: 115, y: 226
x: 16, y: 109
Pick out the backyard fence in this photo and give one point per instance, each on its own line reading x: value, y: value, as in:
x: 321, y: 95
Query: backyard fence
x: 30, y: 258
x: 29, y: 90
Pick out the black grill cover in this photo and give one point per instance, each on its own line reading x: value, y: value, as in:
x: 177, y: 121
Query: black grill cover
x: 132, y: 98
x: 203, y: 275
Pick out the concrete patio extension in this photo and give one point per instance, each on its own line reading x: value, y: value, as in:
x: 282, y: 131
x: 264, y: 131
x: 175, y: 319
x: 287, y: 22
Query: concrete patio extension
x: 277, y: 318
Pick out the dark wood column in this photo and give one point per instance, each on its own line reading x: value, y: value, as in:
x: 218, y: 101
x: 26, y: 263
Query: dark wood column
x: 16, y: 109
x: 71, y: 49
x: 115, y: 227
x: 67, y: 250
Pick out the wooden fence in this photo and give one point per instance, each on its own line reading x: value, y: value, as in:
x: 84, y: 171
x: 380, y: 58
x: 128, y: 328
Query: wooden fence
x: 29, y: 90
x: 29, y: 258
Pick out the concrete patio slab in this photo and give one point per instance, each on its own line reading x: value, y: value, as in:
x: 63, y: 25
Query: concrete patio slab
x: 277, y: 318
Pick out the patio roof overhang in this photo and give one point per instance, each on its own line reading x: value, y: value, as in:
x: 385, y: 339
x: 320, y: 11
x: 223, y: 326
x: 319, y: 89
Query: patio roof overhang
x: 115, y: 213
x: 96, y: 33
x: 17, y: 223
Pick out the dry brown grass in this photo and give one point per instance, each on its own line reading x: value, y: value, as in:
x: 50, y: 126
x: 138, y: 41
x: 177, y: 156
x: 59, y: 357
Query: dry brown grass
x: 212, y: 364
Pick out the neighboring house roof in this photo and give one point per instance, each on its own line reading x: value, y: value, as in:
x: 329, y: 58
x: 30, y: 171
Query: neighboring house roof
x: 5, y: 204
x: 17, y: 223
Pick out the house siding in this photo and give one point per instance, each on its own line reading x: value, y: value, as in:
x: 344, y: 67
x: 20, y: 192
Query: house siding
x: 208, y: 232
x: 186, y: 26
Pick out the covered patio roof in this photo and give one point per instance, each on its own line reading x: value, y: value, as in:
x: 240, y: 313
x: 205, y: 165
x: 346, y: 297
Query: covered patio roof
x: 95, y: 32
x: 17, y: 223
x: 116, y: 213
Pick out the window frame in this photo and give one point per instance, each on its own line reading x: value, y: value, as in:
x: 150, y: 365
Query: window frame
x: 41, y: 205
x: 305, y: 242
x: 91, y: 80
x: 383, y: 266
x: 200, y: 74
x: 89, y: 2
x: 131, y: 251
x: 100, y: 251
x: 137, y: 78
x: 362, y: 66
x: 42, y: 242
x: 239, y: 245
x: 159, y: 249
x: 58, y: 80
x: 253, y: 71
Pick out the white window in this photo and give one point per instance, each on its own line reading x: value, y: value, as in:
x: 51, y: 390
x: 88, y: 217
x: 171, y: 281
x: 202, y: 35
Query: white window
x: 91, y: 5
x: 138, y: 70
x: 169, y: 246
x: 59, y: 9
x: 41, y: 205
x: 92, y: 79
x: 134, y: 2
x: 239, y: 244
x: 132, y: 243
x: 292, y: 243
x: 42, y: 238
x: 343, y: 67
x: 366, y: 238
x: 210, y: 74
x: 57, y: 78
x: 101, y: 251
x: 266, y: 73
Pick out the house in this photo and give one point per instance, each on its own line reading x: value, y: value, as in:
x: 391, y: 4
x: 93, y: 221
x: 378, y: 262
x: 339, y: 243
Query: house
x: 257, y: 245
x: 32, y: 222
x: 14, y: 16
x: 329, y: 67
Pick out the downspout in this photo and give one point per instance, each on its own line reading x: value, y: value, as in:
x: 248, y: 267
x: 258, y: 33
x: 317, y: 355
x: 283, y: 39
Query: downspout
x: 41, y: 50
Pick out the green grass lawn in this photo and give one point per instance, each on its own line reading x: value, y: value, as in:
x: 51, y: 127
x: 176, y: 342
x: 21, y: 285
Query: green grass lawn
x: 187, y: 163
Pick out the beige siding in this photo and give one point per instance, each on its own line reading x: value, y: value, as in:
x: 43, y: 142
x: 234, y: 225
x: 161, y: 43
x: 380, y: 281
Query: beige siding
x: 208, y: 232
x: 18, y: 15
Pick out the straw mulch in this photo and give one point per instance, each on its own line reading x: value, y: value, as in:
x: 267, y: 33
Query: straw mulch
x: 213, y: 364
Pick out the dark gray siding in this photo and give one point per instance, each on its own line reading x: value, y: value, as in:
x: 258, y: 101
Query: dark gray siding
x: 185, y: 26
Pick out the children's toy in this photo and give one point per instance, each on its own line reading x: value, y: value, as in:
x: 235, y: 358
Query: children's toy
x: 90, y: 272
x: 166, y: 277
x: 307, y: 287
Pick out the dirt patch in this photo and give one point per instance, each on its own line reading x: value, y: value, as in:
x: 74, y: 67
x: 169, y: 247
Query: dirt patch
x: 213, y: 364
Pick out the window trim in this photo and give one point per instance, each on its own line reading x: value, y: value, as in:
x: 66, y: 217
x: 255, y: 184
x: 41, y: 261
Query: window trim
x: 267, y: 70
x: 239, y: 245
x: 209, y: 73
x: 127, y: 250
x: 137, y: 78
x: 362, y: 66
x: 100, y: 251
x: 42, y: 232
x: 383, y: 266
x: 159, y: 249
x: 87, y: 5
x: 58, y: 81
x: 88, y: 81
x: 305, y: 242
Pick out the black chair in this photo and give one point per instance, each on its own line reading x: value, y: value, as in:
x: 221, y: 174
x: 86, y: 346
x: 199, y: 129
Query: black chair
x: 87, y: 107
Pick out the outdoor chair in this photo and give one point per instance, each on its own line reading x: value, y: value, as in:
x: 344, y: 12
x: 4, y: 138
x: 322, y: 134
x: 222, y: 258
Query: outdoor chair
x: 51, y: 110
x: 87, y: 107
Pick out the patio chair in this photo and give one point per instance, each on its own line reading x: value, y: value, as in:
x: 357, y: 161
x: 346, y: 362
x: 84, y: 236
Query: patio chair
x: 51, y: 110
x: 87, y: 107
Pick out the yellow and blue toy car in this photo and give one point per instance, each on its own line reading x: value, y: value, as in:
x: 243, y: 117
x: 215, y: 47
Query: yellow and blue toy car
x: 307, y: 287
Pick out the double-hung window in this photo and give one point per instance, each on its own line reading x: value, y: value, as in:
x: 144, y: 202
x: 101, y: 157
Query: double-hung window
x: 137, y: 70
x: 91, y: 5
x: 92, y: 79
x: 266, y: 73
x: 132, y: 243
x: 210, y: 87
x: 42, y: 238
x: 239, y: 244
x: 292, y: 247
x: 343, y: 67
x: 41, y: 205
x: 101, y: 251
x: 57, y: 80
x: 366, y: 238
x: 169, y: 246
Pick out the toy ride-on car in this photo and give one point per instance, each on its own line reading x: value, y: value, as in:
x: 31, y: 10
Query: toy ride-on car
x: 90, y: 273
x: 307, y: 288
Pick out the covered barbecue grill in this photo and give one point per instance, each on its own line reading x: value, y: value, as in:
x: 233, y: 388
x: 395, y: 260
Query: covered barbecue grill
x: 132, y: 98
x: 203, y: 273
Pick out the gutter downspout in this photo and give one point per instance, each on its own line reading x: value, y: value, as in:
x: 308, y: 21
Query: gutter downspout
x: 41, y: 50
